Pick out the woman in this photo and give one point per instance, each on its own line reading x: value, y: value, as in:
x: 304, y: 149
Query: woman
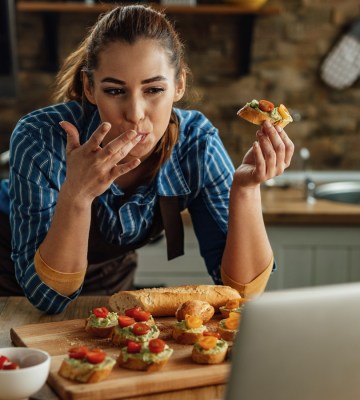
x: 101, y: 174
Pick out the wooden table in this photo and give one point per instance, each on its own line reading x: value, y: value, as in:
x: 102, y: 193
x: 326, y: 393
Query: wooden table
x: 17, y: 311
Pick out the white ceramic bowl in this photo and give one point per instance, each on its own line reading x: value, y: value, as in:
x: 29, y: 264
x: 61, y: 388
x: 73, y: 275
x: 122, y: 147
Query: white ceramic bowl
x: 18, y: 384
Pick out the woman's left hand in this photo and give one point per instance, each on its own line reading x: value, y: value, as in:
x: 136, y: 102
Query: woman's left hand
x: 269, y: 156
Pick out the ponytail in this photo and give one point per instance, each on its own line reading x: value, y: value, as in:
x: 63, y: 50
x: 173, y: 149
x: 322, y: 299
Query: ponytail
x: 68, y: 83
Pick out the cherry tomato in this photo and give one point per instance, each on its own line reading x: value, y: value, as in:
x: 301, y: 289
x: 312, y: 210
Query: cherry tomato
x: 141, y: 315
x: 125, y: 321
x: 130, y: 312
x: 156, y: 345
x: 231, y: 304
x: 3, y: 360
x: 100, y: 312
x: 266, y: 106
x: 95, y: 356
x: 140, y: 329
x: 78, y: 352
x: 207, y: 342
x: 10, y: 365
x: 231, y: 323
x: 193, y: 321
x: 133, y: 347
x: 216, y: 334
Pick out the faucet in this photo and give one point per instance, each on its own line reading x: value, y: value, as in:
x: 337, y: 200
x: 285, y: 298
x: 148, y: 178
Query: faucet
x: 309, y: 184
x: 310, y: 190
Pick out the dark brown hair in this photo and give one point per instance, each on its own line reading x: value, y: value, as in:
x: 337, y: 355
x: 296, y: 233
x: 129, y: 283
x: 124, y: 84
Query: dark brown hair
x: 126, y: 24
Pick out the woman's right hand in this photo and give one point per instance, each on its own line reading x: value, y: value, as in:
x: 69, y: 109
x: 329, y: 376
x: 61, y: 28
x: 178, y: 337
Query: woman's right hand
x: 90, y: 168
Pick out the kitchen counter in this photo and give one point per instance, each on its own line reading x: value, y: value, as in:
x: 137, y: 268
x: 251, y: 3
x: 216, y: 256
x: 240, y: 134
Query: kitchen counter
x: 287, y: 206
x: 17, y: 311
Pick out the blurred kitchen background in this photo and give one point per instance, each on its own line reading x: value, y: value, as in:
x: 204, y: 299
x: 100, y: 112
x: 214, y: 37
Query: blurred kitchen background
x: 237, y: 50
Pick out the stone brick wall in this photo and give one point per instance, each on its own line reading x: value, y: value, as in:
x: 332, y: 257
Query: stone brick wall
x: 287, y: 51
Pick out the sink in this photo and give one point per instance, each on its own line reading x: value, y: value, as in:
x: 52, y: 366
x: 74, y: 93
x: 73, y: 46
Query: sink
x: 343, y: 192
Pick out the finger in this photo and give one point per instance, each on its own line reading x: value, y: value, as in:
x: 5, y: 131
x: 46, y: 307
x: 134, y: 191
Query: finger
x: 122, y: 169
x: 268, y: 153
x: 118, y: 148
x: 260, y: 164
x: 98, y: 136
x: 289, y: 146
x: 73, y: 140
x: 277, y: 143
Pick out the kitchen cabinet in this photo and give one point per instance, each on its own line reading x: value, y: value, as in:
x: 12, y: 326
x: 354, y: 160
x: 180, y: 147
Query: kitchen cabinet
x: 154, y: 269
x: 311, y: 255
x: 306, y: 255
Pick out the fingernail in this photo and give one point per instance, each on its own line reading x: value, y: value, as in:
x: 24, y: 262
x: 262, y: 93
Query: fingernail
x: 267, y: 124
x: 138, y: 138
x: 106, y: 126
x: 278, y: 128
x: 132, y: 134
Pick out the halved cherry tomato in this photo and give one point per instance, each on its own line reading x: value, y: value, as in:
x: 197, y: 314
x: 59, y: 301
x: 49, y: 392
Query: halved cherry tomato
x: 207, y: 342
x: 95, y: 356
x: 215, y: 334
x: 283, y: 111
x: 234, y: 315
x: 231, y: 323
x: 100, y: 312
x: 266, y: 106
x: 125, y: 321
x: 130, y: 312
x: 231, y: 304
x: 140, y: 329
x: 3, y: 360
x: 141, y: 315
x: 156, y: 345
x: 133, y: 347
x: 78, y: 352
x: 193, y: 321
x: 10, y: 365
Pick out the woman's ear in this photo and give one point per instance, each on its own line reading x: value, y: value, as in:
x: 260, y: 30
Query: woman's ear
x: 180, y: 86
x: 88, y: 88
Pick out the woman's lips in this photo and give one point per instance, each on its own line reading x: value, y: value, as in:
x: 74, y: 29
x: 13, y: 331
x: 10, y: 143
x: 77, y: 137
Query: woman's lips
x: 143, y: 135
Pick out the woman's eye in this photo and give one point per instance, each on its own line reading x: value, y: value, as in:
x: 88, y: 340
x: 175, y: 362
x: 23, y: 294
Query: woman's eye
x: 155, y: 90
x: 114, y: 91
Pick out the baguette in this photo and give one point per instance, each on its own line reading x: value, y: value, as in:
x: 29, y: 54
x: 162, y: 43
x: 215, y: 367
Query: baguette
x: 163, y: 302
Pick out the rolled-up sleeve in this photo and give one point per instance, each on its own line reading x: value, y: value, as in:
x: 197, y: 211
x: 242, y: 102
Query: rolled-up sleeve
x: 36, y: 174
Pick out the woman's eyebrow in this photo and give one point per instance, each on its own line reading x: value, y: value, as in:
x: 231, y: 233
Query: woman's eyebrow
x: 120, y: 82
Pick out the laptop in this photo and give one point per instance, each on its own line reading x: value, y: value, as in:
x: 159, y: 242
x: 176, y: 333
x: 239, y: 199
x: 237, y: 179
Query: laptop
x: 298, y: 344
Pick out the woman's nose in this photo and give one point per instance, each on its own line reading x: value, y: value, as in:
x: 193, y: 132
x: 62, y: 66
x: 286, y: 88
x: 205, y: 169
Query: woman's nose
x: 134, y: 111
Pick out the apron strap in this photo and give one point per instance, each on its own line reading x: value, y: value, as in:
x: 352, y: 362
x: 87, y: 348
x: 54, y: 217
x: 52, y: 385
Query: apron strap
x: 173, y: 225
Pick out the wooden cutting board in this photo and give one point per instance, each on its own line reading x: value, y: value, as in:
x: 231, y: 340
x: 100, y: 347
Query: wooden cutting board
x: 179, y: 373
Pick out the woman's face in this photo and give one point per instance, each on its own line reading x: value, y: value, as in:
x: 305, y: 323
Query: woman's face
x: 134, y: 88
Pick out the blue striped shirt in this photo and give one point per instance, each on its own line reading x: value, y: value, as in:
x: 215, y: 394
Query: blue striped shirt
x: 199, y: 172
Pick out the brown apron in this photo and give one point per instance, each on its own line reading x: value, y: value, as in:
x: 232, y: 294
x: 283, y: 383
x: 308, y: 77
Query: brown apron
x: 111, y: 267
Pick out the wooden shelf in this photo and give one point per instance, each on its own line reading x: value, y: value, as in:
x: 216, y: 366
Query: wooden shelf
x: 75, y: 7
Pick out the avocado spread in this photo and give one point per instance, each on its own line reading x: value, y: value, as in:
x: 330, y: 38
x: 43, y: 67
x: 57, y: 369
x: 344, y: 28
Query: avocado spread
x: 182, y: 325
x: 146, y: 355
x: 221, y: 346
x: 274, y: 114
x: 128, y: 333
x: 109, y: 320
